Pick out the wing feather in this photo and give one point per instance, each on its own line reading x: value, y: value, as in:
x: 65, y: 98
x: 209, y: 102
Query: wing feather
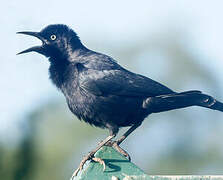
x: 120, y: 82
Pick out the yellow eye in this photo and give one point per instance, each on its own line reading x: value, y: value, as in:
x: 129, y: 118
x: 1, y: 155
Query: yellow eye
x: 53, y: 37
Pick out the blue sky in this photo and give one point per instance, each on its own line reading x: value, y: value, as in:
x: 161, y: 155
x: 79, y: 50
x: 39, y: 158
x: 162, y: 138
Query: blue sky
x: 24, y: 79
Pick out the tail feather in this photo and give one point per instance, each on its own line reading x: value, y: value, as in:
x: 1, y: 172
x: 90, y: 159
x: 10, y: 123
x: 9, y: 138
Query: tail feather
x: 181, y: 100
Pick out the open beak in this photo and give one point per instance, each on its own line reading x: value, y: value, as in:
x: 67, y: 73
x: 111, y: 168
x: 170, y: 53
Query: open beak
x: 38, y: 49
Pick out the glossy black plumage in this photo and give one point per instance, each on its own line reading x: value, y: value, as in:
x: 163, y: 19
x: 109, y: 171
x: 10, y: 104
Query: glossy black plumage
x: 101, y: 92
x: 104, y: 94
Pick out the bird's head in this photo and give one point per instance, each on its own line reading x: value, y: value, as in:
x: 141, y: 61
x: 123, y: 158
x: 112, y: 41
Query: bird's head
x: 58, y: 40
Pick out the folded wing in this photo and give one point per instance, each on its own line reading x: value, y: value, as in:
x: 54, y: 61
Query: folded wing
x: 119, y: 82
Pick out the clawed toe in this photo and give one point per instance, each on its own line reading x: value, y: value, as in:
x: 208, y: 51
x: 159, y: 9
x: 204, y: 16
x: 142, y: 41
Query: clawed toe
x: 88, y: 157
x: 100, y: 161
x: 80, y: 166
x: 122, y: 151
x: 115, y: 144
x: 91, y: 156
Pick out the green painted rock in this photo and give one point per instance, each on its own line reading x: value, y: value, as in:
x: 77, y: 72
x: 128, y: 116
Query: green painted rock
x: 117, y: 168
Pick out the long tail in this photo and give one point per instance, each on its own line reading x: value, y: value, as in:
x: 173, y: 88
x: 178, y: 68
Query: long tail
x: 181, y: 100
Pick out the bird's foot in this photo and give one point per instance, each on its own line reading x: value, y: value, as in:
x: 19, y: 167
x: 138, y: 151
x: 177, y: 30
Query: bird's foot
x: 90, y: 156
x: 115, y: 144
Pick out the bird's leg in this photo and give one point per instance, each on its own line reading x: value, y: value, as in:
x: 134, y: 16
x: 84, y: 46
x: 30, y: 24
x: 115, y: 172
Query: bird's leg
x: 116, y: 144
x: 127, y: 133
x: 91, y: 156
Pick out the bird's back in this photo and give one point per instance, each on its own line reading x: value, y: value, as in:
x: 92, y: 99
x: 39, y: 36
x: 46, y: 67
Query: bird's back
x: 100, y: 91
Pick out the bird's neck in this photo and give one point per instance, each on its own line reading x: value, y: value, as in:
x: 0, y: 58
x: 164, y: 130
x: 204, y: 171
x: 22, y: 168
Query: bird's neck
x: 60, y: 65
x: 76, y: 55
x: 57, y: 72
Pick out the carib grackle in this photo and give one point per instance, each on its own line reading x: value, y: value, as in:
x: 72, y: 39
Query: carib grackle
x: 104, y: 94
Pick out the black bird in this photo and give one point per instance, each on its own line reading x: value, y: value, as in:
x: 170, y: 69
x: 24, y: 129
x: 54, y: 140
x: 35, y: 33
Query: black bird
x: 101, y: 92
